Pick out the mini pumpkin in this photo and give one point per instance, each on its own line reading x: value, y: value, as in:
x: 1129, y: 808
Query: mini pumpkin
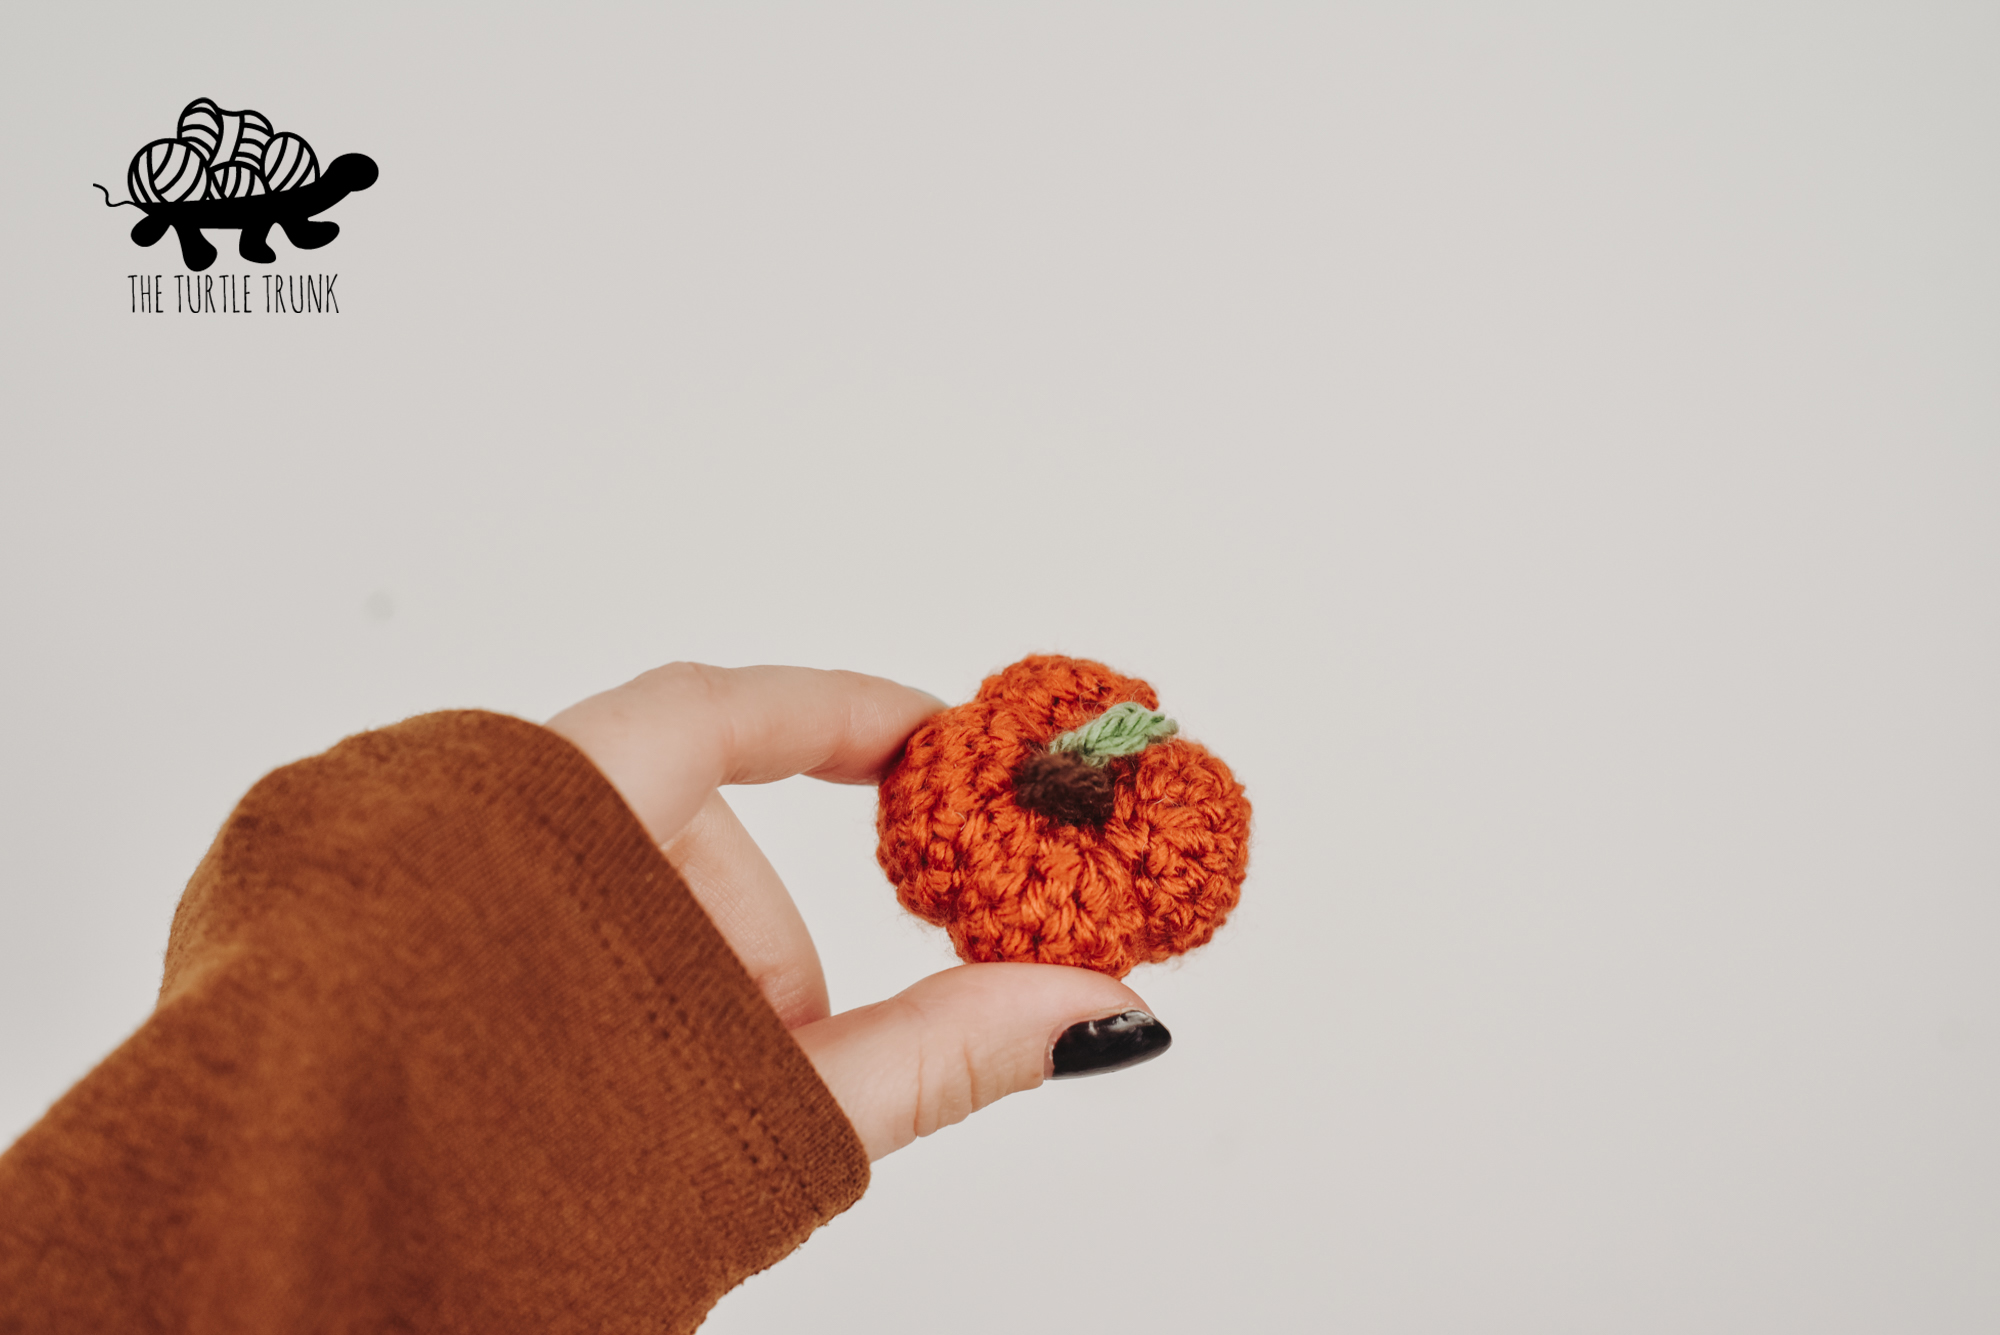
x: 1059, y: 818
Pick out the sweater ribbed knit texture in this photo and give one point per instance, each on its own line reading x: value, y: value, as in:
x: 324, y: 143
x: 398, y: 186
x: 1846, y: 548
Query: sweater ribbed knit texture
x: 443, y: 1044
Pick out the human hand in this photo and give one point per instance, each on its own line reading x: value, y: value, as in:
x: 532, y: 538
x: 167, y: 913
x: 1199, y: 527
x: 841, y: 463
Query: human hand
x: 931, y: 1055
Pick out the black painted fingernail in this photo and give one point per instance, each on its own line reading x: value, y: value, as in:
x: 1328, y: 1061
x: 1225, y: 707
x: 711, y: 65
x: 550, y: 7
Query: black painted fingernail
x: 1111, y: 1044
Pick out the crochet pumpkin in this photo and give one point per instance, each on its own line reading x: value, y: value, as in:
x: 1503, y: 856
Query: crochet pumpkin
x: 1059, y: 819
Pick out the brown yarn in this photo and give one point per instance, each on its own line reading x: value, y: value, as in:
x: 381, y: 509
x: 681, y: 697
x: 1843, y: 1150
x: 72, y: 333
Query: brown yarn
x: 1064, y: 787
x: 991, y: 837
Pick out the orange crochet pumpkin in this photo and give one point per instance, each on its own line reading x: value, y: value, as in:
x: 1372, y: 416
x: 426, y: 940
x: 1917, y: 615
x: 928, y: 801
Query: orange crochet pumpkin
x: 1058, y: 819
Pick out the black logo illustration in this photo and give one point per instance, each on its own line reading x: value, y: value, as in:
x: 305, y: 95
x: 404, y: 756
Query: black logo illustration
x: 229, y: 169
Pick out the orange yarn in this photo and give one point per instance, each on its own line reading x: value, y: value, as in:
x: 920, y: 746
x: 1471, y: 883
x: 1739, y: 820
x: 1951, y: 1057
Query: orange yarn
x: 1156, y: 879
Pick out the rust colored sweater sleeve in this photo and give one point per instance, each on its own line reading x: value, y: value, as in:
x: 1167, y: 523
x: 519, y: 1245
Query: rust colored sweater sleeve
x: 443, y: 1044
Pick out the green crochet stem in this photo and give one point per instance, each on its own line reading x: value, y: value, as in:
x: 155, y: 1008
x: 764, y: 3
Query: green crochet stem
x: 1121, y: 730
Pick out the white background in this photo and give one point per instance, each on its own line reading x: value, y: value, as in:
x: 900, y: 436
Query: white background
x: 1551, y: 451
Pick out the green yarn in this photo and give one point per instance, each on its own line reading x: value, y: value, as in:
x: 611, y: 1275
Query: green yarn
x: 1121, y: 730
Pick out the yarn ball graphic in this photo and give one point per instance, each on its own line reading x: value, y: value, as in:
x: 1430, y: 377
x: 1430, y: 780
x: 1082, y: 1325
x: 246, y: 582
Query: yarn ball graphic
x: 168, y: 171
x: 289, y: 162
x: 225, y: 136
x: 1059, y: 818
x: 236, y: 180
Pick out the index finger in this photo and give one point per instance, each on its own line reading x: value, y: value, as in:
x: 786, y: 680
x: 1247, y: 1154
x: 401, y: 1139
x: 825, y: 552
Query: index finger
x: 669, y: 737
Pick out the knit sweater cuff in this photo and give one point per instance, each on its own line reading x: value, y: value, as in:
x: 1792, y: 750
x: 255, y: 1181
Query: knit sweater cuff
x: 443, y: 1043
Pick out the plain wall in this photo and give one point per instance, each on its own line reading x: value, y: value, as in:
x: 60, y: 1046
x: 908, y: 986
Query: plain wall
x: 1552, y: 451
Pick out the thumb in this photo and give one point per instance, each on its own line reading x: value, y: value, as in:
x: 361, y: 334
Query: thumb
x: 945, y: 1048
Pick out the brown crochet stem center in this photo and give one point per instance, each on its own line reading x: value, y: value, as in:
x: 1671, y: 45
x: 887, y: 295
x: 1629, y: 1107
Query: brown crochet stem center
x: 1064, y: 787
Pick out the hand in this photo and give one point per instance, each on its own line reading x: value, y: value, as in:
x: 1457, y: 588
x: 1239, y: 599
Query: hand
x: 927, y: 1057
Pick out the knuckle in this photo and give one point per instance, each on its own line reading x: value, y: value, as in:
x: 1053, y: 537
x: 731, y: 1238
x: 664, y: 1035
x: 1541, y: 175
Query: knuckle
x: 696, y: 678
x: 953, y: 1078
x: 698, y: 692
x: 941, y: 1075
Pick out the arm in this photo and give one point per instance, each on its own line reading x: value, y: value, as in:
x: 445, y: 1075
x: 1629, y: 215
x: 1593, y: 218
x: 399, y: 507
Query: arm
x: 446, y: 1042
x: 443, y: 1044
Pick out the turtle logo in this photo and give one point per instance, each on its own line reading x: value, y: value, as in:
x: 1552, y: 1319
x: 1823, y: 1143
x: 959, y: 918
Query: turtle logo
x: 229, y: 169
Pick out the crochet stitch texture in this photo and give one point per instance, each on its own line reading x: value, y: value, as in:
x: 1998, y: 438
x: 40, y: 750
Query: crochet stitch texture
x: 1155, y: 878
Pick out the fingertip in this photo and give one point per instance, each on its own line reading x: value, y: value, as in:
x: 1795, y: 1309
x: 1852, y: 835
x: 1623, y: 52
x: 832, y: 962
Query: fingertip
x: 882, y: 713
x: 934, y: 704
x: 959, y: 1040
